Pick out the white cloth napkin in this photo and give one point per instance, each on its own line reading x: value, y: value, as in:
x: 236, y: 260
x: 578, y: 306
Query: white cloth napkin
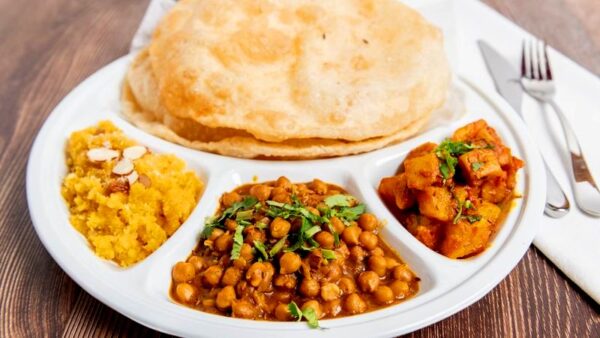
x: 572, y: 243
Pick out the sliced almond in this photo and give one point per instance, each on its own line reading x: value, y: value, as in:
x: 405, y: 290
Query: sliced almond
x: 134, y: 152
x: 133, y: 177
x: 145, y: 180
x: 123, y: 167
x: 117, y: 185
x: 102, y: 154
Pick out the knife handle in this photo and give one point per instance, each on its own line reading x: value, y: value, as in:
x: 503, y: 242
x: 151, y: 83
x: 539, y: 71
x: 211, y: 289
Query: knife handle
x: 557, y: 204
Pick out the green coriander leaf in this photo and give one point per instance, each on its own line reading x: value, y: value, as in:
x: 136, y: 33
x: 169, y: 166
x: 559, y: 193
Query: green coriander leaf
x: 261, y: 225
x: 244, y: 215
x: 238, y: 240
x: 339, y: 200
x: 312, y: 231
x: 328, y: 254
x: 476, y: 166
x: 277, y: 247
x: 260, y: 247
x: 350, y: 214
x: 311, y: 317
x: 468, y: 204
x: 473, y: 218
x: 445, y: 170
x: 295, y: 311
x: 458, y: 213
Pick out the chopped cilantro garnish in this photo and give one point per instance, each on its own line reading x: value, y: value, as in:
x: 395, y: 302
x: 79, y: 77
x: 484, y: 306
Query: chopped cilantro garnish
x: 238, y: 240
x: 217, y: 222
x: 339, y: 200
x: 309, y: 314
x: 312, y: 231
x: 476, y: 166
x: 447, y: 152
x: 277, y: 247
x: 244, y: 215
x: 260, y: 247
x: 473, y: 218
x: 328, y: 254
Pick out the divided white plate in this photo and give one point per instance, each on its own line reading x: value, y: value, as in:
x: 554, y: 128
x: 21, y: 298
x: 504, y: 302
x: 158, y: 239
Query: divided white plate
x: 141, y: 292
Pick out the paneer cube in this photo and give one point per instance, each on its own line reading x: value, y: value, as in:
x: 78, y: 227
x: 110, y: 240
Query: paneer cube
x: 478, y: 164
x: 437, y: 203
x: 464, y: 238
x: 422, y: 172
x: 469, y: 131
x: 421, y: 150
x: 427, y: 231
x: 394, y: 191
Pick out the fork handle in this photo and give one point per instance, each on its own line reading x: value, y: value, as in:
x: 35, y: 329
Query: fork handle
x: 585, y: 189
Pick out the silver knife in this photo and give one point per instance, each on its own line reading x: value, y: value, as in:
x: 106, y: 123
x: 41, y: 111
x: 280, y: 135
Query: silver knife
x: 506, y: 81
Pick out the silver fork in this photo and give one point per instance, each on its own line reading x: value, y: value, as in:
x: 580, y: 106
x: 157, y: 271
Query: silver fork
x: 536, y: 78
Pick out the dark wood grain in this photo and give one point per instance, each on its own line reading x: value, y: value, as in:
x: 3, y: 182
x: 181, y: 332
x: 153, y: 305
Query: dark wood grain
x: 48, y: 47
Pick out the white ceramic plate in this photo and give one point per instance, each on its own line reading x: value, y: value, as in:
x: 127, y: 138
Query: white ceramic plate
x: 141, y: 292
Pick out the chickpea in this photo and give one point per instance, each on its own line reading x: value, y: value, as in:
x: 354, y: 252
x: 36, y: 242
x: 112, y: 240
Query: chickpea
x: 283, y: 182
x: 367, y: 222
x: 279, y: 227
x: 354, y: 304
x: 225, y: 297
x: 246, y: 252
x: 347, y: 285
x: 261, y: 192
x: 252, y: 234
x: 391, y: 263
x: 216, y: 233
x: 314, y: 305
x: 240, y: 263
x: 332, y: 307
x: 337, y: 225
x: 402, y: 273
x: 351, y: 234
x: 231, y: 224
x: 259, y: 273
x: 287, y: 282
x: 330, y: 291
x: 183, y: 272
x: 400, y: 289
x: 325, y: 239
x: 197, y: 262
x: 289, y: 263
x: 185, y: 292
x: 243, y: 309
x: 368, y: 239
x: 212, y: 275
x: 357, y: 254
x: 282, y: 312
x: 378, y: 265
x: 368, y: 281
x: 342, y: 252
x: 318, y: 186
x: 231, y: 276
x: 332, y: 272
x: 208, y: 302
x: 314, y: 211
x: 309, y: 287
x: 377, y: 252
x: 224, y: 242
x: 383, y: 295
x: 281, y: 197
x: 229, y: 198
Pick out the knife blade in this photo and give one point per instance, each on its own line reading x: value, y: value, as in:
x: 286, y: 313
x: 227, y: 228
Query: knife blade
x: 506, y: 78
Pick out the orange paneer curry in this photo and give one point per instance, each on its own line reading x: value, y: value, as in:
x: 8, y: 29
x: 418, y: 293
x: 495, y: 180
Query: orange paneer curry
x: 451, y: 195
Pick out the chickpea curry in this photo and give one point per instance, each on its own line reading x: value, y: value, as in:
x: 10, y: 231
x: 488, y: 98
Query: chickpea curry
x: 283, y: 251
x: 451, y: 196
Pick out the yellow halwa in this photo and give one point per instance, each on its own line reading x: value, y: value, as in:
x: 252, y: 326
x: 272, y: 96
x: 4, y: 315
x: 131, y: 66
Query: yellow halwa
x: 126, y: 225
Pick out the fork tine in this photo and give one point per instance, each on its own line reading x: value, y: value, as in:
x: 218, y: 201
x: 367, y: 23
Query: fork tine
x: 548, y: 68
x: 542, y: 67
x: 523, y: 60
x: 535, y: 62
x: 526, y: 60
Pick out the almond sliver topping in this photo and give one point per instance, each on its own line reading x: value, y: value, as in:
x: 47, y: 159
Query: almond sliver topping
x: 102, y: 154
x: 134, y: 152
x: 123, y: 167
x: 133, y: 177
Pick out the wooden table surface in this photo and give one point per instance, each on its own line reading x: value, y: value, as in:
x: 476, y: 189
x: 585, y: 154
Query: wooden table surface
x: 48, y: 47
